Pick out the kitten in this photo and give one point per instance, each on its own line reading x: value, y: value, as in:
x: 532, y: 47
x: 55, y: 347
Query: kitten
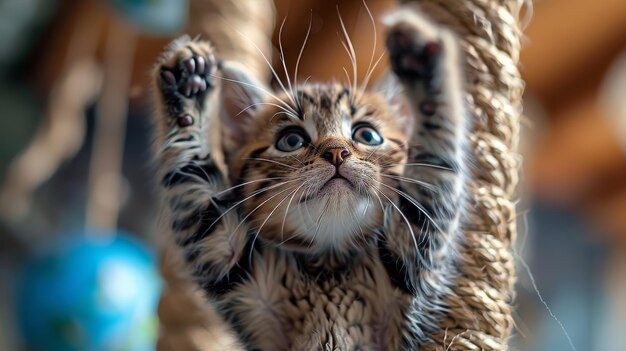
x: 323, y: 216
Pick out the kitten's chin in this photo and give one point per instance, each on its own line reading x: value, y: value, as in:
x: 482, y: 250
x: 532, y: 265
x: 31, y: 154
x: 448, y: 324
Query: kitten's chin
x: 337, y: 219
x: 337, y: 187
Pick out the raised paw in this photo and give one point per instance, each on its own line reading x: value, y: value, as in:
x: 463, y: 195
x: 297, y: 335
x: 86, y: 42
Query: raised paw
x: 185, y: 74
x: 411, y: 56
x: 417, y: 48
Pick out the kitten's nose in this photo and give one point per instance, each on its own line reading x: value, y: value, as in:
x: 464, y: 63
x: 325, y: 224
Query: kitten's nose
x: 336, y: 155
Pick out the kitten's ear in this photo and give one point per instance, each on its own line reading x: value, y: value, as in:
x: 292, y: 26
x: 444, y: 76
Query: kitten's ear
x: 242, y: 95
x: 392, y: 91
x: 388, y: 86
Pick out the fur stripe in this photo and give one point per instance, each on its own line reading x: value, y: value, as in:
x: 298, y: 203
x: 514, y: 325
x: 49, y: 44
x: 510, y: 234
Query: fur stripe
x: 248, y: 163
x: 434, y: 160
x: 396, y: 269
x: 206, y: 218
x: 190, y: 173
x: 238, y: 274
x: 413, y: 213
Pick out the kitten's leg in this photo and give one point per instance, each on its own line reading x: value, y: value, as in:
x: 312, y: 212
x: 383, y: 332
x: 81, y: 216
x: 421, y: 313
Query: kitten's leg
x: 190, y: 165
x: 425, y: 59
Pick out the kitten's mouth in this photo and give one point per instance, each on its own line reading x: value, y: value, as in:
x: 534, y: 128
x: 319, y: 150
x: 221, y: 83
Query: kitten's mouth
x: 334, y: 183
x: 338, y: 178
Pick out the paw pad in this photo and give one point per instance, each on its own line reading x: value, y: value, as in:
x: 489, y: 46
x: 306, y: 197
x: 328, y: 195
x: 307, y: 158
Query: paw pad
x: 411, y: 55
x: 184, y: 121
x: 191, y: 76
x: 428, y: 108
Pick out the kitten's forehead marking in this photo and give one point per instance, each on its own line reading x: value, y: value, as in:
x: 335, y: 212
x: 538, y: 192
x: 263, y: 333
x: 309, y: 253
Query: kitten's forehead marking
x: 326, y: 111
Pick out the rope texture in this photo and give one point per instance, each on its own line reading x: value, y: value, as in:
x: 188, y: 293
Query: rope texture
x: 479, y: 315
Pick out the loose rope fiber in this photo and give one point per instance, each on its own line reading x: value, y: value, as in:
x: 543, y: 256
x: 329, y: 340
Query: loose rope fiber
x: 479, y: 316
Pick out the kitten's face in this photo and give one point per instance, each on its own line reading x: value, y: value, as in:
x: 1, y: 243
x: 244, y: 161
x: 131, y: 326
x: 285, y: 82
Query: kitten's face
x: 316, y: 180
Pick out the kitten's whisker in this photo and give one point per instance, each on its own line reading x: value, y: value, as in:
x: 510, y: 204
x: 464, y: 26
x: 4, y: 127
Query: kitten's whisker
x: 414, y: 202
x: 274, y: 210
x: 370, y: 68
x: 357, y: 220
x: 271, y: 67
x: 296, y: 159
x: 263, y: 202
x: 374, y: 190
x: 270, y: 161
x: 282, y: 59
x: 255, y: 193
x: 372, y: 153
x: 367, y: 205
x: 244, y: 184
x: 306, y: 195
x: 388, y: 165
x: 369, y: 74
x: 318, y: 221
x: 283, y: 103
x: 241, y: 98
x: 282, y: 227
x: 345, y: 71
x: 427, y: 233
x: 270, y: 104
x: 256, y: 208
x: 369, y: 13
x: 350, y: 49
x: 408, y: 224
x: 380, y: 156
x: 306, y: 38
x: 306, y: 80
x: 426, y: 185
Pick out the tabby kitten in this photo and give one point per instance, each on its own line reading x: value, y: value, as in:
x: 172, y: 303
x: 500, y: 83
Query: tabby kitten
x: 322, y: 216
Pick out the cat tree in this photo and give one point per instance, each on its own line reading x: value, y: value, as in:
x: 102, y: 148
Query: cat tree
x: 479, y: 316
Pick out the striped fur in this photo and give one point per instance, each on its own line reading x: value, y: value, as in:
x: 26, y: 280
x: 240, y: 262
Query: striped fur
x: 289, y: 256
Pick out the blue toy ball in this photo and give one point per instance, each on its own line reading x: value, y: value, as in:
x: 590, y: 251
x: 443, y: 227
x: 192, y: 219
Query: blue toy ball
x: 96, y: 293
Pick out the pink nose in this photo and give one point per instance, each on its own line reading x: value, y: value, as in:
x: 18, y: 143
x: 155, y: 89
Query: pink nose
x: 336, y: 155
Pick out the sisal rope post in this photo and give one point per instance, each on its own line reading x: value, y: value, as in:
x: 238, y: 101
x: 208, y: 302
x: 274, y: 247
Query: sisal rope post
x: 479, y: 315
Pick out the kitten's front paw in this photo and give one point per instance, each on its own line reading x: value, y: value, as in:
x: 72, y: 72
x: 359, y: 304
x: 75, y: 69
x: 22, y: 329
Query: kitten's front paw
x: 186, y: 74
x: 417, y: 48
x: 412, y: 57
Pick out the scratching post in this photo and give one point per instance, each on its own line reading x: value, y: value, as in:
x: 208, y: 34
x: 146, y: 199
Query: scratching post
x: 479, y: 315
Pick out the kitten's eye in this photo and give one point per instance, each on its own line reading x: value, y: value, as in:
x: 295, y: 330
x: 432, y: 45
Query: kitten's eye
x: 367, y: 135
x: 290, y: 141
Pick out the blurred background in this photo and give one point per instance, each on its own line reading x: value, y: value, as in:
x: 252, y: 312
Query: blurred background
x: 77, y: 201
